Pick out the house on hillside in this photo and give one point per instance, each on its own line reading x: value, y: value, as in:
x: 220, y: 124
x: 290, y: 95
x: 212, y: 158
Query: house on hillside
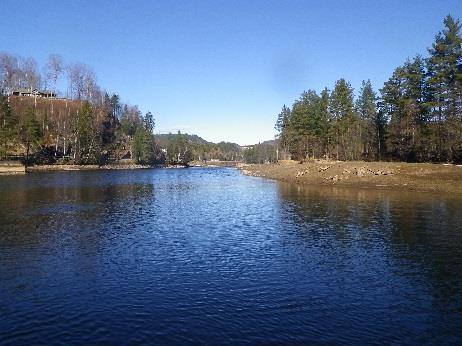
x: 33, y: 93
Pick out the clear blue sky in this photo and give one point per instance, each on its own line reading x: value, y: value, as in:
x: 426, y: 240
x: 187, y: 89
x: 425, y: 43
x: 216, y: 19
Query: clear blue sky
x: 223, y: 69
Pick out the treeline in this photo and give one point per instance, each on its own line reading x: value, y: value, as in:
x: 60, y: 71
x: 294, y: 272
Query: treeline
x: 183, y: 148
x: 88, y: 126
x: 261, y: 153
x: 416, y: 116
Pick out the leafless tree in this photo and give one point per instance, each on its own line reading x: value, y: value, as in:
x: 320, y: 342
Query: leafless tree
x: 30, y: 78
x: 75, y: 73
x: 54, y: 68
x: 89, y: 84
x: 8, y: 72
x: 81, y: 81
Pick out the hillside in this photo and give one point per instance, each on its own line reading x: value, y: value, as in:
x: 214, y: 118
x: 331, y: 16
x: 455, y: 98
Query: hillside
x: 196, y: 148
x: 52, y: 130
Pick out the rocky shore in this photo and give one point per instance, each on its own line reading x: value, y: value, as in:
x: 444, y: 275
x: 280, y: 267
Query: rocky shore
x: 423, y: 177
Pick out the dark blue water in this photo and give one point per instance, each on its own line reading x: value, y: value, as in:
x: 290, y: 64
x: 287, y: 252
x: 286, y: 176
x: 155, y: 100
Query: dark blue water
x: 210, y: 256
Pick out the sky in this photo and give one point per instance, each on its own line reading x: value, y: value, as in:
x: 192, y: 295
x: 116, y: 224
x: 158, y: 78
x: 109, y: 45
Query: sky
x: 223, y: 69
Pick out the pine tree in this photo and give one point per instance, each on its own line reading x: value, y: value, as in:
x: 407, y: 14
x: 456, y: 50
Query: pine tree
x: 345, y: 124
x: 445, y: 89
x: 149, y: 122
x: 367, y: 111
x: 30, y: 132
x: 8, y: 127
x: 88, y: 140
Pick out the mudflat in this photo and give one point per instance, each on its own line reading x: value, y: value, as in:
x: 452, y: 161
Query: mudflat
x: 425, y: 177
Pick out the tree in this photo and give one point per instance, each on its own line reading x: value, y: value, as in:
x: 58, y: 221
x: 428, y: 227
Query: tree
x: 81, y: 82
x: 9, y: 73
x: 30, y: 132
x: 54, y: 68
x: 131, y: 120
x: 149, y: 122
x: 109, y: 122
x: 115, y: 105
x: 403, y: 101
x: 8, y: 129
x: 30, y: 77
x: 144, y: 147
x: 88, y: 145
x: 345, y: 124
x: 260, y: 153
x: 366, y: 109
x: 445, y: 89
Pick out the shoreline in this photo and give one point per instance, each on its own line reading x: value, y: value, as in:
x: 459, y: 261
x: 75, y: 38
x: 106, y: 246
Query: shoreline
x: 14, y: 168
x: 51, y: 168
x: 418, y: 177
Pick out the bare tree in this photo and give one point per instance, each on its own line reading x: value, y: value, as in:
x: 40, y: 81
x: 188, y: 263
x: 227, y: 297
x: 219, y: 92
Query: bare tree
x: 89, y: 83
x: 8, y: 72
x: 29, y: 73
x: 54, y: 68
x: 75, y: 80
x: 81, y: 81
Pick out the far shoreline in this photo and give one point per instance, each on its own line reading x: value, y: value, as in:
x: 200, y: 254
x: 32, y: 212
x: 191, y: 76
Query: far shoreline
x: 397, y: 176
x: 9, y: 168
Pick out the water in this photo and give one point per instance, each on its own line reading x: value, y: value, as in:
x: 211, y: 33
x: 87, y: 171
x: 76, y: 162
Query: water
x: 210, y: 256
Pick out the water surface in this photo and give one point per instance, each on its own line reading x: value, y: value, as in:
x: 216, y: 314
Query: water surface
x: 210, y: 256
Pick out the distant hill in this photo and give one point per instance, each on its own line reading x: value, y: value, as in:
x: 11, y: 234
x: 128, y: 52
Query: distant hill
x: 164, y: 138
x: 198, y: 148
x: 270, y: 142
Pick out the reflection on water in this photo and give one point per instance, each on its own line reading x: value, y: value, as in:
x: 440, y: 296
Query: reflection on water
x: 420, y: 230
x: 208, y: 255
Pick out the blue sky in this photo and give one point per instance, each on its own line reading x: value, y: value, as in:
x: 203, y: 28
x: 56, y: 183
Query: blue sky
x: 223, y: 69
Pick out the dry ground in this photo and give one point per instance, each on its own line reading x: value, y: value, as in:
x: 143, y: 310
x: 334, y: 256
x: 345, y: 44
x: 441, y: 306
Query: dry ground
x: 378, y: 175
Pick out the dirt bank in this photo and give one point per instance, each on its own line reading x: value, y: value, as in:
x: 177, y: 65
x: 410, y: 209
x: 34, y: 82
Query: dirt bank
x: 378, y: 175
x: 11, y: 167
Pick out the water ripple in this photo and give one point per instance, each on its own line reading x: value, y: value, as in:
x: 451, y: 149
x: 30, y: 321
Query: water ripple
x: 210, y: 256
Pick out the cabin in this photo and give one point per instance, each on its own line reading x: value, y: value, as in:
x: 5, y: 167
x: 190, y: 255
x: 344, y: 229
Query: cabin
x: 33, y: 93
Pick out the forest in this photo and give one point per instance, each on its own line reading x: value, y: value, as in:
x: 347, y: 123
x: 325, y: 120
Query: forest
x: 416, y: 116
x: 84, y: 124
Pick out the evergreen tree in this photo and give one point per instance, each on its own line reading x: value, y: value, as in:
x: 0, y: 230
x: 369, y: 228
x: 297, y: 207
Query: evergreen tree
x: 144, y: 148
x: 110, y: 122
x: 325, y: 121
x: 88, y: 144
x: 366, y: 109
x: 345, y: 124
x: 417, y: 118
x: 149, y: 122
x: 404, y: 103
x: 8, y: 127
x: 30, y: 132
x: 445, y: 90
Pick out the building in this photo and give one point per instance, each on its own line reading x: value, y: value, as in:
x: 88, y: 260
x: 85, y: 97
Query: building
x: 33, y: 93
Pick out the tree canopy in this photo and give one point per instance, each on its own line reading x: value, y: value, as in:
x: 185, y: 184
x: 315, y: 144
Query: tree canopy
x: 415, y: 116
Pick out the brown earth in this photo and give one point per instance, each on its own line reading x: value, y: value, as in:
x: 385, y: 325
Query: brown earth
x: 11, y: 167
x: 423, y: 177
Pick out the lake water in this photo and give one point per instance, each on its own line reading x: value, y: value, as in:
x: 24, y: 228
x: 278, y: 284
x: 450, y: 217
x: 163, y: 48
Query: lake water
x: 211, y: 256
